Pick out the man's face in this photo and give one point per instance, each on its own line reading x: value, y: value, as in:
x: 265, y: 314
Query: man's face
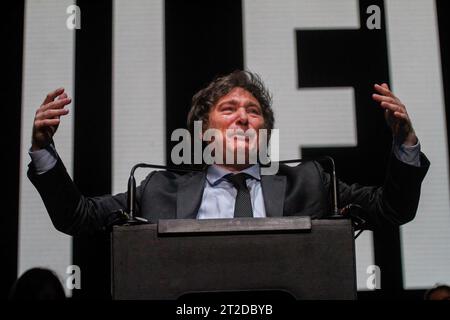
x: 238, y: 109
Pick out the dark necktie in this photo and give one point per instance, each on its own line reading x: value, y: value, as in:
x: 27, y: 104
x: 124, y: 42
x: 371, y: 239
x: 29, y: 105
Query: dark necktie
x: 243, y: 204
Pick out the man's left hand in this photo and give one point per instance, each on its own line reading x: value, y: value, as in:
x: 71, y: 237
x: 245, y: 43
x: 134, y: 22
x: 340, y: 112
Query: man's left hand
x: 395, y: 114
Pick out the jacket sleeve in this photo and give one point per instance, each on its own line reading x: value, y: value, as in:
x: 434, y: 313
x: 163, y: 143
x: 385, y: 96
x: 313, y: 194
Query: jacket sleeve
x: 395, y: 202
x: 70, y: 211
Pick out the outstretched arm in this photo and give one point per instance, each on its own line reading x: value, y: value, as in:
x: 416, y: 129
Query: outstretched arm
x: 395, y: 202
x: 69, y: 210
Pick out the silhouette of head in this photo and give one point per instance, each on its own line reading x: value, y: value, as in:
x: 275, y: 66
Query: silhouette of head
x: 37, y: 284
x: 439, y: 292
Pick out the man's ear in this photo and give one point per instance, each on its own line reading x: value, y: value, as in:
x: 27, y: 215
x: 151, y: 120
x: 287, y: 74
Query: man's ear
x: 269, y: 131
x: 204, y: 128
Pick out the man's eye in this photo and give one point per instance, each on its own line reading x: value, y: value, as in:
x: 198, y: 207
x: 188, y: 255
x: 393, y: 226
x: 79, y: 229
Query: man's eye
x: 227, y: 109
x: 254, y: 111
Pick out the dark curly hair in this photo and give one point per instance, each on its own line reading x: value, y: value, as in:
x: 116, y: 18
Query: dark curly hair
x: 203, y: 100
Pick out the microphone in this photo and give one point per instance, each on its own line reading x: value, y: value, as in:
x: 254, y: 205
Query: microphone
x: 131, y: 190
x: 131, y: 219
x: 334, y: 187
x: 351, y: 211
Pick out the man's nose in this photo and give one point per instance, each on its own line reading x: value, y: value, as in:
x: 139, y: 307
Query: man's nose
x: 243, y: 115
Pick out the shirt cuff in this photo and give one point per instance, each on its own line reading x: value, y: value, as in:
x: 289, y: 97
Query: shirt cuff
x: 407, y: 154
x: 44, y: 159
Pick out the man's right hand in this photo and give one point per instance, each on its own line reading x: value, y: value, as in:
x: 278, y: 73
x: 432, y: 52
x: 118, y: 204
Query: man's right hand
x: 47, y: 118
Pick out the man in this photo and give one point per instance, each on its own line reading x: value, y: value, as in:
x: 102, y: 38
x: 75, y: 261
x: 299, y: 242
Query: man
x: 236, y: 101
x: 439, y: 292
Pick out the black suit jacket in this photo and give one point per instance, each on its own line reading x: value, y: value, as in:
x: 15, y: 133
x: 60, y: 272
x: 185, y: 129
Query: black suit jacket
x: 300, y: 190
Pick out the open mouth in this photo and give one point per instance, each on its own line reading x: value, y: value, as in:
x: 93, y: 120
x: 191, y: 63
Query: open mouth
x: 240, y: 134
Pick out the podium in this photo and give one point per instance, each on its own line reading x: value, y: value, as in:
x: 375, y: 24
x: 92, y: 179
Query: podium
x: 307, y: 259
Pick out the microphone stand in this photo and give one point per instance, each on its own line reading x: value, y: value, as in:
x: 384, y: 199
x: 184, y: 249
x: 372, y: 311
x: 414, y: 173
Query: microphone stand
x: 350, y: 211
x: 131, y: 191
x: 335, y: 197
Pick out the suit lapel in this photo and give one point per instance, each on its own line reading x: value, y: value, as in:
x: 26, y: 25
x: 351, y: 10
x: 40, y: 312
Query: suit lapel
x: 189, y: 195
x: 273, y: 188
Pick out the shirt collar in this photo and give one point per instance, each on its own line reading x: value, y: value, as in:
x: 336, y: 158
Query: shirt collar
x: 216, y: 173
